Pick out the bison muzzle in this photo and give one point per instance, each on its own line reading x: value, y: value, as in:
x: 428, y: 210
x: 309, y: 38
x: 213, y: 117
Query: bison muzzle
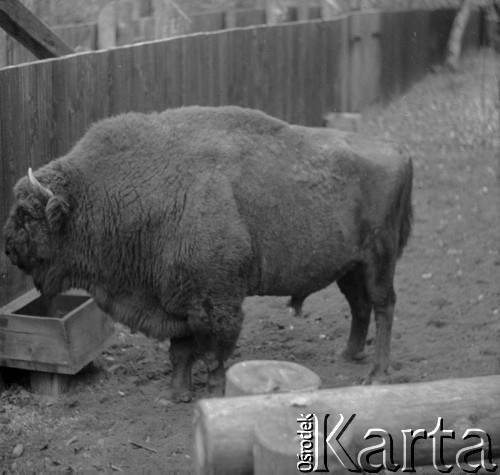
x: 169, y: 220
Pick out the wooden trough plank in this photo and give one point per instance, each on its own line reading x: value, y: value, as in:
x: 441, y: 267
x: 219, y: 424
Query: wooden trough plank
x: 85, y: 327
x: 224, y: 428
x: 30, y: 31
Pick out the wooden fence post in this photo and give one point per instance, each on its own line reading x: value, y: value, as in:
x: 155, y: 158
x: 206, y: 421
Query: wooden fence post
x: 276, y: 12
x: 106, y: 27
x: 330, y: 9
x: 303, y: 11
x: 457, y: 32
x: 124, y: 25
x: 169, y: 19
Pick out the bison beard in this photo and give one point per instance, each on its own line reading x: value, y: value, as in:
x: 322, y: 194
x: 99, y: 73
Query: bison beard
x: 170, y: 220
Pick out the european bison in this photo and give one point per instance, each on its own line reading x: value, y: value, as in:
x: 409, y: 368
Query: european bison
x: 171, y: 219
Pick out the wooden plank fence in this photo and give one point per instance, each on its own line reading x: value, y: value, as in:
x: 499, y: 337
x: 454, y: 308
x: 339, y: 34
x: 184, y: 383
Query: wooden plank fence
x: 126, y: 24
x: 295, y: 71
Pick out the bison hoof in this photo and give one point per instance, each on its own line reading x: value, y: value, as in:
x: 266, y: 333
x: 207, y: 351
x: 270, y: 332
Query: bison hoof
x: 171, y: 396
x: 354, y: 356
x: 376, y: 377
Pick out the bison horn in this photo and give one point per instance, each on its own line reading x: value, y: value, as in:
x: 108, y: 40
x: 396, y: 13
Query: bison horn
x: 37, y: 186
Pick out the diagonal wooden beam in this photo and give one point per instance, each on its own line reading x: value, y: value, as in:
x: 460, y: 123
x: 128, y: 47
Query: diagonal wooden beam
x: 30, y: 31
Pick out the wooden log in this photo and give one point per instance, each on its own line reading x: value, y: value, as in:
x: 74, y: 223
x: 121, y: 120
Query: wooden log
x: 224, y: 428
x: 266, y: 376
x: 30, y: 31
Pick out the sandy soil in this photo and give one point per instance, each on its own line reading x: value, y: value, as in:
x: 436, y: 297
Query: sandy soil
x: 447, y: 317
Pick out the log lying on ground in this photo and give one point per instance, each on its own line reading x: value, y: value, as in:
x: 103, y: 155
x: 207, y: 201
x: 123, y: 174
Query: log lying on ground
x: 267, y: 376
x: 224, y: 429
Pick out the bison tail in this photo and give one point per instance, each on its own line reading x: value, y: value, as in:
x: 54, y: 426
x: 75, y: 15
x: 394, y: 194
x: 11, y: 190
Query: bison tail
x: 405, y: 207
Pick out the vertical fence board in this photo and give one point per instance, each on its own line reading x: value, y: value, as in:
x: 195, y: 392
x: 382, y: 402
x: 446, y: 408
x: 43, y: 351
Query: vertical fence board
x: 365, y: 60
x: 421, y: 50
x: 100, y: 87
x: 334, y: 59
x: 262, y: 68
x: 288, y: 74
x: 207, y: 22
x: 14, y: 153
x: 472, y: 36
x: 275, y: 84
x: 39, y: 113
x: 316, y: 102
x: 240, y: 75
x: 63, y: 84
x: 167, y: 90
x: 392, y: 62
x: 301, y: 79
x: 121, y: 80
x: 143, y: 78
x: 291, y: 41
x: 241, y: 18
x: 440, y: 23
x: 203, y: 70
x: 215, y: 89
x: 174, y: 73
x: 195, y: 68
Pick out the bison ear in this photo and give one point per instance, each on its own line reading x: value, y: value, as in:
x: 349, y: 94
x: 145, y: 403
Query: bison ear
x: 56, y: 212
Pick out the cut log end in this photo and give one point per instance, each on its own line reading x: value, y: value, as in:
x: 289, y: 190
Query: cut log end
x: 279, y: 442
x: 265, y: 377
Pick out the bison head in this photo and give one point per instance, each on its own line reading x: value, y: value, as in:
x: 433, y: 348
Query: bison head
x: 32, y: 227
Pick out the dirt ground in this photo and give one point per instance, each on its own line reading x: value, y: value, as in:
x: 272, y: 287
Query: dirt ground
x: 447, y: 322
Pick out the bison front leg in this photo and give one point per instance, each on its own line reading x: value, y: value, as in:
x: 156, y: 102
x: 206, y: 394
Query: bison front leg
x: 182, y: 356
x: 218, y: 346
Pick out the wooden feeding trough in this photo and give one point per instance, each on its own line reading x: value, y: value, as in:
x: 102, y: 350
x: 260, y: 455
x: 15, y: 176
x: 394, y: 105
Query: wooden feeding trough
x: 52, y: 338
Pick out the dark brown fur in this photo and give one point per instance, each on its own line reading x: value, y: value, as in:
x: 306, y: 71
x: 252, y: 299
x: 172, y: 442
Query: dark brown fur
x: 170, y: 220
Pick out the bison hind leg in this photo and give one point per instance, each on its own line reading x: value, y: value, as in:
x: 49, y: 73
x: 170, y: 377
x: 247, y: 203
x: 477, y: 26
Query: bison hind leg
x: 353, y: 286
x: 295, y: 303
x: 380, y: 271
